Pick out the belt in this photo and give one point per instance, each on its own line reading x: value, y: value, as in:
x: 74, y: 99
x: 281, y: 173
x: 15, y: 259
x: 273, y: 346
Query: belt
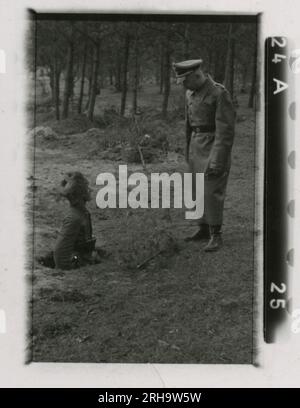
x: 204, y: 129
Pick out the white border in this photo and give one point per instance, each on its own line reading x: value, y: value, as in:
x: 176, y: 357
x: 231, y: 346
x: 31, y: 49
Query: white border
x: 279, y: 364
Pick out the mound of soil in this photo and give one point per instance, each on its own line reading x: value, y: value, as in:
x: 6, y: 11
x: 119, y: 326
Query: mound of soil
x: 44, y: 132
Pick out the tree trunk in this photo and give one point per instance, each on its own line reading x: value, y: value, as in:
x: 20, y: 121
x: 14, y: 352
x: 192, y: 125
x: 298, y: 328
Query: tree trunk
x: 56, y: 87
x: 186, y: 41
x: 219, y: 63
x: 244, y: 78
x: 91, y: 68
x: 52, y: 81
x: 118, y: 75
x: 55, y: 78
x: 209, y: 60
x: 57, y: 91
x: 161, y: 83
x: 136, y: 74
x: 94, y: 84
x: 157, y: 72
x: 253, y: 84
x: 82, y: 78
x: 232, y: 70
x: 100, y: 78
x: 111, y: 77
x: 68, y: 80
x: 125, y: 70
x: 72, y: 92
x: 219, y: 68
x: 229, y: 72
x: 167, y: 84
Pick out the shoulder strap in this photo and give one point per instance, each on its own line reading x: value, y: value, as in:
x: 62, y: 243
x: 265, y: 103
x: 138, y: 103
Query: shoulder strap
x: 216, y: 83
x: 90, y: 223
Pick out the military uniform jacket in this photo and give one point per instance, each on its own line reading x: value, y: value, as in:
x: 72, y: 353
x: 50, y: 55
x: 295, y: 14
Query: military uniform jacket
x: 210, y: 107
x: 76, y: 230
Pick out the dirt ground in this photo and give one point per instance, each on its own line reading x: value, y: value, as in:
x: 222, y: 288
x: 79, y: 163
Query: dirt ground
x: 184, y: 306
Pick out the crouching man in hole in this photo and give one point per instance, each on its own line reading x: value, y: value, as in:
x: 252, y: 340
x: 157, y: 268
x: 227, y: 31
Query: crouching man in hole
x: 75, y: 245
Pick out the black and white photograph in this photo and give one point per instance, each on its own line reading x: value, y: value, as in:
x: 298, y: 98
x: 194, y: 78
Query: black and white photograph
x: 141, y: 187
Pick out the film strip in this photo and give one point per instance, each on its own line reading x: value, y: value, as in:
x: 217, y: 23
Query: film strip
x: 279, y: 205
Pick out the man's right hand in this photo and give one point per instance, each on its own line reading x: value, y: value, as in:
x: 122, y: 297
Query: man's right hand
x: 187, y: 156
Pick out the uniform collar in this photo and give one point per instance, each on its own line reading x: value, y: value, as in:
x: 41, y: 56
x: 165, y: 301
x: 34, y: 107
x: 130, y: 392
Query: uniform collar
x: 204, y: 87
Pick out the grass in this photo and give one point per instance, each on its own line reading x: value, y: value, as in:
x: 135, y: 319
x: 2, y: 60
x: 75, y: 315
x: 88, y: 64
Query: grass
x: 184, y: 306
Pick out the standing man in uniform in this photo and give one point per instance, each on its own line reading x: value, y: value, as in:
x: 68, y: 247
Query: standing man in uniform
x: 209, y: 137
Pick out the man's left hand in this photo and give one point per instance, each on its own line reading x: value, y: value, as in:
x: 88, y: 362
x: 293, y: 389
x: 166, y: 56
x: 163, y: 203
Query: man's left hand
x: 213, y: 172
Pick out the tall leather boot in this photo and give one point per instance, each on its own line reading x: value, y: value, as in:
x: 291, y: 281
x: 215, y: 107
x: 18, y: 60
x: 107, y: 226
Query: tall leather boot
x: 215, y: 242
x: 201, y: 234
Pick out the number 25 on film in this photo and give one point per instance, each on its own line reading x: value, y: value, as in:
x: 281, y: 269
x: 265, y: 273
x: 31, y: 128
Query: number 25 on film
x: 277, y: 303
